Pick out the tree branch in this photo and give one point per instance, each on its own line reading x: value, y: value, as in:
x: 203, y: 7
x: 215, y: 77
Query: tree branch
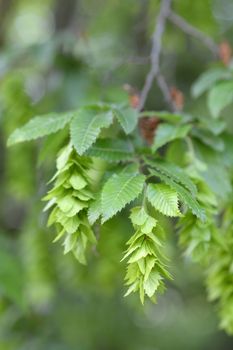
x: 155, y: 51
x: 165, y: 91
x: 189, y: 29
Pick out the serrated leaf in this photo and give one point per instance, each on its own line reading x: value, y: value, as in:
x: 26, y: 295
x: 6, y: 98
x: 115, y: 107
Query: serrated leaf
x: 40, y: 126
x: 111, y: 150
x: 164, y: 199
x: 174, y: 172
x: 118, y: 191
x: 86, y: 127
x: 94, y: 210
x: 220, y: 96
x: 167, y: 132
x: 184, y: 195
x: 207, y: 80
x: 128, y: 118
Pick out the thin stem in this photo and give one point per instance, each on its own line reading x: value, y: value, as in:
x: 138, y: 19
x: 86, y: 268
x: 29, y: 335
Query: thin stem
x: 155, y: 51
x: 189, y: 29
x: 165, y: 91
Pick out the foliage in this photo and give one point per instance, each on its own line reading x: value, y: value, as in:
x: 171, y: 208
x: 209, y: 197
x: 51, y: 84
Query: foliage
x: 73, y: 195
x: 133, y: 188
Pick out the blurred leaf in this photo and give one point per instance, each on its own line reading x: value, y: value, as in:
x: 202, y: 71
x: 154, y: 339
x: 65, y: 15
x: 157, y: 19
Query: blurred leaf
x: 209, y: 139
x: 128, y: 118
x: 208, y: 79
x: 220, y: 96
x: 167, y: 116
x: 166, y: 133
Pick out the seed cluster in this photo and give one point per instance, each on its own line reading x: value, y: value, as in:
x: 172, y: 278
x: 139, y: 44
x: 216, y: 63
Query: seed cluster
x: 70, y: 198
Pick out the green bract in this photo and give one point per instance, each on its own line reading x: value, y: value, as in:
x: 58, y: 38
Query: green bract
x: 70, y: 198
x: 146, y: 269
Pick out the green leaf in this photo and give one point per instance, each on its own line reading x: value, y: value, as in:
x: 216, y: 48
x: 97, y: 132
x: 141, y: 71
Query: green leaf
x: 216, y: 174
x: 94, y: 210
x: 128, y: 118
x: 118, y: 191
x: 163, y: 115
x: 220, y: 96
x: 111, y: 150
x: 207, y: 80
x: 216, y: 126
x: 40, y: 126
x: 86, y: 127
x: 209, y: 139
x: 167, y: 132
x: 176, y: 173
x: 164, y: 199
x: 184, y: 195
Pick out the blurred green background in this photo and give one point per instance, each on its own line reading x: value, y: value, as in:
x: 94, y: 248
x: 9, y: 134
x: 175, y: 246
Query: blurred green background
x: 56, y: 55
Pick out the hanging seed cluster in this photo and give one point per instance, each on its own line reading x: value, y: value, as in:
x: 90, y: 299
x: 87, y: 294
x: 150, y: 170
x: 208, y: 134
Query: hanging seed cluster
x: 70, y: 198
x: 145, y: 271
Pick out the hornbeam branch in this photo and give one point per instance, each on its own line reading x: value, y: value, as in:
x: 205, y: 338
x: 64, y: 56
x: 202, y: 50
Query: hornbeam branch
x: 155, y: 51
x: 189, y: 29
x: 162, y: 84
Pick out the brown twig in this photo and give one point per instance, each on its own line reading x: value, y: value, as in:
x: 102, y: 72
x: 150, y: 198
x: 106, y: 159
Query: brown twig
x: 165, y: 91
x: 155, y: 51
x: 189, y: 29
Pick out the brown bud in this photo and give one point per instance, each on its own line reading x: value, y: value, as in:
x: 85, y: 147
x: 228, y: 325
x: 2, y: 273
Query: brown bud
x: 134, y: 101
x: 147, y: 127
x: 134, y: 96
x: 225, y: 52
x: 177, y: 98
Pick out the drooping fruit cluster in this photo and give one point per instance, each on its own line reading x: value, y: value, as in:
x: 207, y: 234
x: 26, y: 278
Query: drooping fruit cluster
x: 70, y: 198
x: 146, y: 269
